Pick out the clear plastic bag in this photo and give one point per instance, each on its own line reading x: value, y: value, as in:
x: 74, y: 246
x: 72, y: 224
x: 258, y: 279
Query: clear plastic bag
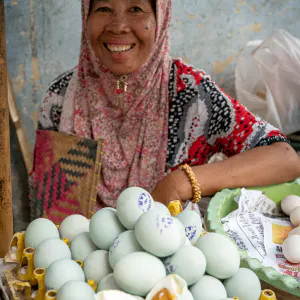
x: 267, y: 80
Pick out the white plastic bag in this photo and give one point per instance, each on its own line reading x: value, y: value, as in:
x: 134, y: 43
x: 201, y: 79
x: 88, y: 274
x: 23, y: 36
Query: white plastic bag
x: 268, y: 80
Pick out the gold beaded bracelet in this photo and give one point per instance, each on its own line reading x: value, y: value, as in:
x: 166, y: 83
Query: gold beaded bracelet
x: 195, y: 185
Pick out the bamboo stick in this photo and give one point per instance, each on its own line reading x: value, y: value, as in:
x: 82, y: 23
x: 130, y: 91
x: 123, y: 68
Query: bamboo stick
x: 15, y: 117
x: 6, y: 216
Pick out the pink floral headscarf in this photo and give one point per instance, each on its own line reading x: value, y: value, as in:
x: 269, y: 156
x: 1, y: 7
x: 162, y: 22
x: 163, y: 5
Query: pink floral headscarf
x: 135, y: 136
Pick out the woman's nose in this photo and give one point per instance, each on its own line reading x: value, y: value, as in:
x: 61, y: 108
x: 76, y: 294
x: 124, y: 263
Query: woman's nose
x: 118, y: 24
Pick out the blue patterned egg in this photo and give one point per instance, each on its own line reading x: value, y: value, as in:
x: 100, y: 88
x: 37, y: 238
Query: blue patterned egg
x: 159, y: 234
x: 192, y: 223
x: 131, y: 204
x: 123, y: 245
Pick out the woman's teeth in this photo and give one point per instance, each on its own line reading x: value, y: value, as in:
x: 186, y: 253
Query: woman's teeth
x: 119, y: 48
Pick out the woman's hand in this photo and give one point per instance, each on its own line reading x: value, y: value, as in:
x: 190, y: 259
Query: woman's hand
x: 170, y: 187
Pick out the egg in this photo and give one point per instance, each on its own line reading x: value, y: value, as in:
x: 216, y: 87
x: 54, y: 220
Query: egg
x: 108, y: 283
x: 49, y: 251
x: 291, y: 248
x: 73, y: 225
x: 159, y: 234
x: 222, y: 255
x: 244, y: 285
x: 289, y: 203
x: 187, y: 242
x: 131, y: 204
x: 192, y: 223
x: 188, y: 262
x: 105, y: 227
x: 38, y: 231
x: 295, y: 216
x: 138, y: 272
x: 124, y: 244
x: 295, y: 231
x: 161, y: 207
x: 82, y: 246
x: 208, y: 288
x: 62, y: 271
x: 171, y: 287
x: 75, y: 290
x: 96, y: 266
x: 105, y: 295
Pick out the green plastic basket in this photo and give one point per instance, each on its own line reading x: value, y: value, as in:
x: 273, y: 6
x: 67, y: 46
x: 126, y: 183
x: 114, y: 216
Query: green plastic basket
x: 223, y: 204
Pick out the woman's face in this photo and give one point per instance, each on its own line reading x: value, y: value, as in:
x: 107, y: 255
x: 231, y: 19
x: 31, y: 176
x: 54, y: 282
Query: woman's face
x: 122, y: 33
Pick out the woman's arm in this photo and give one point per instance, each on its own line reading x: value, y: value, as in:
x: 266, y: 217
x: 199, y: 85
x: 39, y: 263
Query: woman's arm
x: 260, y: 166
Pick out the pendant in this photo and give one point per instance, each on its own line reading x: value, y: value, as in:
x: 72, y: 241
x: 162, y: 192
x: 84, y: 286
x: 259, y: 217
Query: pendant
x: 121, y: 89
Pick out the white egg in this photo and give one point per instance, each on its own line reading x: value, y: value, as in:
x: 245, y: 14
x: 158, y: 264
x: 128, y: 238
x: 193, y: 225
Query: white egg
x: 49, y: 251
x: 171, y: 287
x: 124, y: 244
x: 187, y: 242
x: 108, y: 283
x: 160, y: 235
x: 96, y: 266
x: 61, y: 271
x: 222, y: 255
x: 291, y: 248
x: 138, y: 272
x: 73, y: 225
x: 105, y: 227
x: 38, y: 231
x: 295, y: 231
x: 82, y: 246
x: 75, y: 290
x: 295, y: 216
x: 118, y: 295
x: 289, y: 203
x: 188, y: 262
x: 161, y: 207
x: 244, y: 285
x: 192, y: 223
x: 131, y: 204
x: 208, y: 288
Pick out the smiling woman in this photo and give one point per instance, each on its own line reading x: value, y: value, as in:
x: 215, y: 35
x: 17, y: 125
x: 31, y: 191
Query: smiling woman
x: 160, y: 119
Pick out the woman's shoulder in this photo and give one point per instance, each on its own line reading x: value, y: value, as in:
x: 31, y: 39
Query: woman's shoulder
x: 51, y: 107
x: 60, y: 84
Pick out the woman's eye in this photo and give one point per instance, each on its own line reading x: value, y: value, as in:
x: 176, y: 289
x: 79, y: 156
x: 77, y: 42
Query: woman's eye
x: 103, y: 9
x: 136, y: 9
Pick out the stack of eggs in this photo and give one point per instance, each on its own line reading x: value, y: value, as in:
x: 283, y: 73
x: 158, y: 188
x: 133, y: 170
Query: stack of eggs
x: 139, y: 250
x: 291, y: 246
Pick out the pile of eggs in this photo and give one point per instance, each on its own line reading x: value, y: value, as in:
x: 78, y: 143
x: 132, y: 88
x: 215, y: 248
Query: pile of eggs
x: 133, y: 250
x: 291, y: 246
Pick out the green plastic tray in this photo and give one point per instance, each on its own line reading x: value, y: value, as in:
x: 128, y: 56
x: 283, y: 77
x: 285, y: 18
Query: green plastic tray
x: 223, y: 204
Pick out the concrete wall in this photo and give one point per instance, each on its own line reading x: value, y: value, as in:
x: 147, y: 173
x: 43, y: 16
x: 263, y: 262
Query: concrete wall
x: 43, y: 39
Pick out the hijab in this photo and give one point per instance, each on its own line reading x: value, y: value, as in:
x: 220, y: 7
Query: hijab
x: 136, y: 134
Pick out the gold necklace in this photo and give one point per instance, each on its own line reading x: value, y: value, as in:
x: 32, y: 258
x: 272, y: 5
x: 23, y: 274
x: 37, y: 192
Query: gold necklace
x: 121, y: 89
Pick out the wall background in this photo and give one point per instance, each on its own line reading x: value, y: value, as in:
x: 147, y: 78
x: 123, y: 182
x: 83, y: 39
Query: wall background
x: 43, y: 38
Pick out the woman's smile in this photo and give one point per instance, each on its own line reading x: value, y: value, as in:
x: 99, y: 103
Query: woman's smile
x: 122, y: 33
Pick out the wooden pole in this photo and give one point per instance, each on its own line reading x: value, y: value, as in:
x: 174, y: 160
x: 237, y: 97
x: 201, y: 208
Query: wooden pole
x: 6, y: 215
